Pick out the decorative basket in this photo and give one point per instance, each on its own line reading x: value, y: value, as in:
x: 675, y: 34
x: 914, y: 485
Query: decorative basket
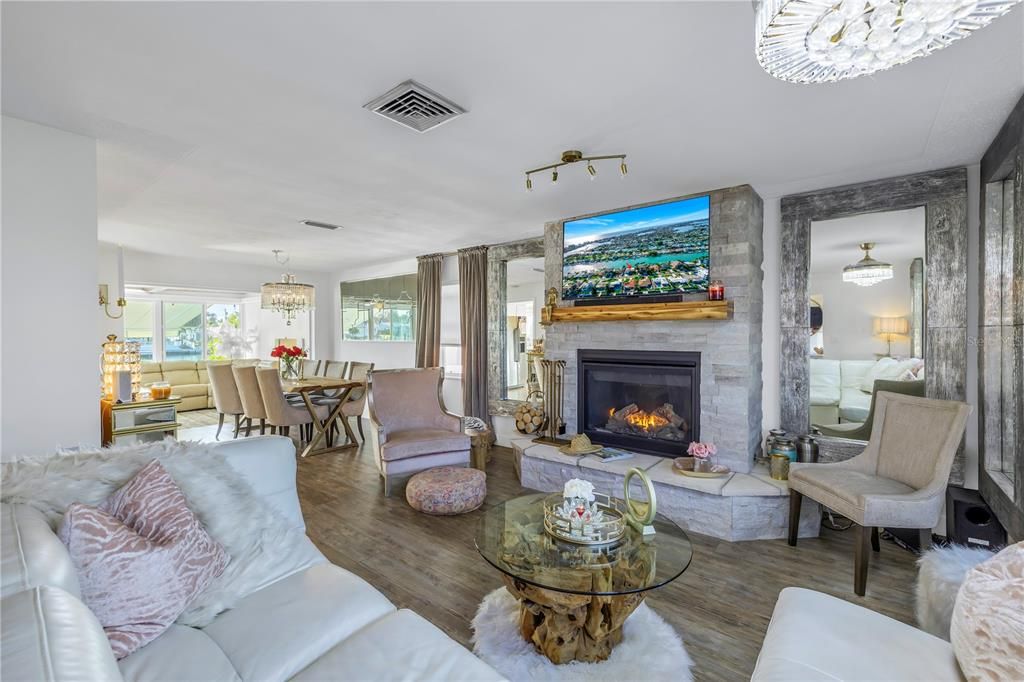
x: 609, y: 528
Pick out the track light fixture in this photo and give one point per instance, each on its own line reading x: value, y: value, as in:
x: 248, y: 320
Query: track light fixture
x: 572, y: 156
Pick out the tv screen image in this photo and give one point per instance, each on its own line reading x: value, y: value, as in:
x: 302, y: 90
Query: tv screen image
x: 651, y: 251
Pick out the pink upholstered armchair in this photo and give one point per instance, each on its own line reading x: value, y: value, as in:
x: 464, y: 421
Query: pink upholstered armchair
x: 410, y: 429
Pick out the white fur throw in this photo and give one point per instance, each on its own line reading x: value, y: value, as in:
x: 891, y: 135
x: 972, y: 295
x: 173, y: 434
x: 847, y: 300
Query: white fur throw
x: 940, y: 573
x: 261, y: 545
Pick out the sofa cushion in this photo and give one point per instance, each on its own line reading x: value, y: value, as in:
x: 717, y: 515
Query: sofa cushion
x: 844, y: 484
x: 180, y: 372
x: 853, y: 371
x: 416, y: 442
x: 274, y: 633
x: 886, y: 368
x: 47, y: 634
x: 190, y: 390
x: 813, y: 636
x: 424, y: 654
x: 31, y: 554
x: 151, y: 373
x: 180, y: 653
x: 854, y: 405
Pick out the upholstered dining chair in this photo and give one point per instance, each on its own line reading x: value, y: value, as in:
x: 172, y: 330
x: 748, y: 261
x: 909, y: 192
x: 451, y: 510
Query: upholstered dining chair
x: 308, y: 368
x: 409, y: 427
x: 225, y: 395
x: 252, y: 399
x: 356, y: 404
x: 898, y: 481
x: 862, y: 431
x: 281, y: 414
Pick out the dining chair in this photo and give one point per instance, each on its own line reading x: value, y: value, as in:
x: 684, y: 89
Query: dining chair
x: 356, y: 403
x: 252, y: 399
x: 898, y: 481
x: 308, y: 368
x: 281, y: 414
x: 225, y: 394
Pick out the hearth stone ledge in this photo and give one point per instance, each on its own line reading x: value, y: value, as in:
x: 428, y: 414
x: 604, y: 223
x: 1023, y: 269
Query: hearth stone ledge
x: 743, y: 506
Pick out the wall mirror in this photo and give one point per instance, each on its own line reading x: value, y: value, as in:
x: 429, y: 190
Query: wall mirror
x: 910, y: 327
x: 515, y: 295
x: 869, y: 268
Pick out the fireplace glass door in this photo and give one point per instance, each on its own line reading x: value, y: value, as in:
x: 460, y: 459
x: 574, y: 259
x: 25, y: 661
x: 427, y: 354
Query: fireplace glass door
x: 647, y: 401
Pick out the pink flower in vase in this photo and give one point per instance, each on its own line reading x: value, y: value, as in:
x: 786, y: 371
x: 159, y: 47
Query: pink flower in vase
x: 698, y: 450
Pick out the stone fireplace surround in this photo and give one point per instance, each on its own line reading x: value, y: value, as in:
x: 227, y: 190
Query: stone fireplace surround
x: 730, y: 386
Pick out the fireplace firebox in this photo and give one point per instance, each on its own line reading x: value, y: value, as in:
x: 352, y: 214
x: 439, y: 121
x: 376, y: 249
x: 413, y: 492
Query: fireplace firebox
x: 645, y: 401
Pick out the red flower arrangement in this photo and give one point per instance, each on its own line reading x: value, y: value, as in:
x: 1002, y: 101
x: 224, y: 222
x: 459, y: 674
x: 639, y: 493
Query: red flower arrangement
x: 289, y: 359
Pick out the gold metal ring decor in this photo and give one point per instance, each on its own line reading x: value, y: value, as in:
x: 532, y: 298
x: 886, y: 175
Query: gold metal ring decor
x: 583, y: 517
x: 640, y: 515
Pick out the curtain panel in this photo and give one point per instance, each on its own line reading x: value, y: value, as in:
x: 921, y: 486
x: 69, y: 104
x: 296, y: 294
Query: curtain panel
x: 428, y: 310
x: 473, y: 323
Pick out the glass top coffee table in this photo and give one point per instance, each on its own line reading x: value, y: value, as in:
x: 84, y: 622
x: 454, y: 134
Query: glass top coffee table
x: 574, y: 598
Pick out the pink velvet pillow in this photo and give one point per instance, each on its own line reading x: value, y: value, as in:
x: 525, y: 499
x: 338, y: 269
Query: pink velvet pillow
x: 141, y: 557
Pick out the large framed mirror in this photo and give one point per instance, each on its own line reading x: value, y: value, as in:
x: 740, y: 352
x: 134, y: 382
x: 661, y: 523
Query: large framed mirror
x: 515, y: 295
x: 874, y: 287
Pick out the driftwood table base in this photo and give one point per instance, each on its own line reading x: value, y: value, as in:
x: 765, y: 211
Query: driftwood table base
x: 571, y: 627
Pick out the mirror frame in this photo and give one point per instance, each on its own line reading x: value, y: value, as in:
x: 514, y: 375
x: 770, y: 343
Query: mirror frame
x: 943, y: 194
x: 498, y: 257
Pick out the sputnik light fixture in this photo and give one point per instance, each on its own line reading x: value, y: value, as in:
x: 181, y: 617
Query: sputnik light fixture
x: 572, y: 156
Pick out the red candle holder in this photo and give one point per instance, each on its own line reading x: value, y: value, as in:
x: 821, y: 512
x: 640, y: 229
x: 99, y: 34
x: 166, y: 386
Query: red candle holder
x: 716, y: 291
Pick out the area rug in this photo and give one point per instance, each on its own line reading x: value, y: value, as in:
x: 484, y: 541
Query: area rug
x: 650, y: 649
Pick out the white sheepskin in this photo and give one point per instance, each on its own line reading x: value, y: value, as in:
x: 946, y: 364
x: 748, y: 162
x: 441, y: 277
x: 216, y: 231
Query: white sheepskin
x: 940, y: 573
x: 650, y: 649
x: 261, y: 545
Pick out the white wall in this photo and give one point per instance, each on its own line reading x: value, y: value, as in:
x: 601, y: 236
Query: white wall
x: 50, y: 392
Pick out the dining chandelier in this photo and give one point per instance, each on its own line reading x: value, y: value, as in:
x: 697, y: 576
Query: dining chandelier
x: 867, y: 272
x: 821, y: 41
x: 571, y: 156
x: 287, y: 297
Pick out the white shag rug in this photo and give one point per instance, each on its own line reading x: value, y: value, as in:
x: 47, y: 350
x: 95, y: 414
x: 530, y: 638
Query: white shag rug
x: 650, y: 649
x: 941, y: 571
x: 260, y: 543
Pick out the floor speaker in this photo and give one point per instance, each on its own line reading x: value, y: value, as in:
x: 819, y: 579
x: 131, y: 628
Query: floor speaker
x: 969, y: 521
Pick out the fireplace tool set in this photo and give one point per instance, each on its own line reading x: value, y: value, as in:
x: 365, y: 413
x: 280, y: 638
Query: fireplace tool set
x: 551, y: 380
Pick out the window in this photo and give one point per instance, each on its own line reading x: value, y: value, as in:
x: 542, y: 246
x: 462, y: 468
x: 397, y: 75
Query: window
x: 223, y: 325
x: 379, y: 309
x: 183, y: 331
x: 139, y: 325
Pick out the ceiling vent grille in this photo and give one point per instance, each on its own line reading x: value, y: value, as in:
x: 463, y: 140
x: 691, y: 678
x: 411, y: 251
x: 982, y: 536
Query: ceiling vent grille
x: 415, y: 106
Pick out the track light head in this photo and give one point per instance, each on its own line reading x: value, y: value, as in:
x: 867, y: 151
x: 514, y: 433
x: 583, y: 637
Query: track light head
x: 554, y: 176
x: 622, y: 168
x: 529, y: 184
x: 591, y: 170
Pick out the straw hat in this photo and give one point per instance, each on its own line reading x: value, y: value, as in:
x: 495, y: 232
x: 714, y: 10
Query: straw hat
x: 580, y: 445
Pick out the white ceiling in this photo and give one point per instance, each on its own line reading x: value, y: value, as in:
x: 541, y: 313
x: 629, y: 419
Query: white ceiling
x: 898, y: 238
x: 221, y: 125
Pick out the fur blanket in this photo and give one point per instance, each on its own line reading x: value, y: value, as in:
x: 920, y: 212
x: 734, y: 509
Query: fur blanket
x: 941, y: 571
x: 262, y: 546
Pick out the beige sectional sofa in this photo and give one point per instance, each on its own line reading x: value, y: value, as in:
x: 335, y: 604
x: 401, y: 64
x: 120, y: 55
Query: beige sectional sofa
x: 189, y: 380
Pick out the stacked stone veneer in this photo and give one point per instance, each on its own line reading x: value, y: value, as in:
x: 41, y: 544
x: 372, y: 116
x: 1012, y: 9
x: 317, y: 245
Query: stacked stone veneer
x: 730, y: 387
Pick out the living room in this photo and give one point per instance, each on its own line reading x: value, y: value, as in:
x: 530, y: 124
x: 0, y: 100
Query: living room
x: 450, y: 324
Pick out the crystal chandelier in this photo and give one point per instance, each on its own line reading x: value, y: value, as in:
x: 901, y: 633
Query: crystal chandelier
x: 821, y: 41
x: 867, y: 272
x: 287, y: 297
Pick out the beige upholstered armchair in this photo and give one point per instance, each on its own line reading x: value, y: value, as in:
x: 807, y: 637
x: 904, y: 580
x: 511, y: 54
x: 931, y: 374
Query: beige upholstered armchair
x: 410, y: 429
x: 900, y: 479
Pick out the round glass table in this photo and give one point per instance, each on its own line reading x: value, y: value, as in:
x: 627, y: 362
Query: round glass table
x: 574, y: 598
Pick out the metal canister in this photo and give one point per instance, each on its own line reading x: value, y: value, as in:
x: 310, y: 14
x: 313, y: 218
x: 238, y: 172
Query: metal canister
x: 779, y: 467
x: 806, y: 448
x: 769, y: 442
x: 784, y: 446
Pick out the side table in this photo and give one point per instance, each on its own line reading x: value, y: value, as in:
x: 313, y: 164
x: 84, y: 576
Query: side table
x: 480, y: 438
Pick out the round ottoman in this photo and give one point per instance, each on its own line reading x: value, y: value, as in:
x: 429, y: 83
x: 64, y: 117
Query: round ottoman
x: 447, y: 490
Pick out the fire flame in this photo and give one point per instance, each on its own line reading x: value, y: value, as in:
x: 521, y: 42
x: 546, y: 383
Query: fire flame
x: 644, y: 420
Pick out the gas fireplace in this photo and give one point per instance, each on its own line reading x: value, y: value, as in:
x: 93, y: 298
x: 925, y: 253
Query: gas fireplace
x: 646, y: 401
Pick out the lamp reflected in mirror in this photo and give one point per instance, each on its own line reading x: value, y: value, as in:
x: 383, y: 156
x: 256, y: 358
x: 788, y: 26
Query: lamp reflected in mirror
x: 889, y: 328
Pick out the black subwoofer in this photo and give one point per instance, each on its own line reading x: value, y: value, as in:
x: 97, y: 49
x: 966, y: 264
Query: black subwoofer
x: 969, y: 521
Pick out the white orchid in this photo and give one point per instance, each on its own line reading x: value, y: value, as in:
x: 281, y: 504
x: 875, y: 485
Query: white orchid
x: 578, y: 489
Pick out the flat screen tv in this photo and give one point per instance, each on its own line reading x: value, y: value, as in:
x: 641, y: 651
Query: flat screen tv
x: 658, y: 250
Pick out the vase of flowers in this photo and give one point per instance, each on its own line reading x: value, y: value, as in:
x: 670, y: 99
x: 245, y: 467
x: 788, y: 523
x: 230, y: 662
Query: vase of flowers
x: 702, y: 454
x: 289, y: 360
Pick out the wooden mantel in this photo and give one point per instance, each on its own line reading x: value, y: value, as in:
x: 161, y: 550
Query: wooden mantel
x: 683, y: 310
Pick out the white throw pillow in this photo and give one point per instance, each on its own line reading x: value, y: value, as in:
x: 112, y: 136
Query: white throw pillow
x: 885, y: 368
x: 988, y: 619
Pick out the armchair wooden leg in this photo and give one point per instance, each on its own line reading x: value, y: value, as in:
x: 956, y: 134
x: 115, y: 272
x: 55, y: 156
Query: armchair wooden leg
x: 248, y: 426
x: 795, y: 499
x: 924, y: 539
x: 286, y: 431
x: 874, y: 539
x: 860, y: 559
x: 387, y: 487
x: 273, y: 430
x: 220, y: 425
x: 263, y: 427
x: 238, y: 424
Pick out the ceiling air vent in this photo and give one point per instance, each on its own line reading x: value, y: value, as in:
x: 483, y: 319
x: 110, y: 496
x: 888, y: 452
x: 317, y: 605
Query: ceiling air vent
x: 321, y: 225
x: 415, y: 106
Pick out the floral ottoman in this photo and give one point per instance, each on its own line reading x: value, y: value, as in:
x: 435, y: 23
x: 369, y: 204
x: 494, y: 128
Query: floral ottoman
x: 447, y: 490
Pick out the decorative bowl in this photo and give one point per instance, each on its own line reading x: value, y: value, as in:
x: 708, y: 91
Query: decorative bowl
x: 610, y: 528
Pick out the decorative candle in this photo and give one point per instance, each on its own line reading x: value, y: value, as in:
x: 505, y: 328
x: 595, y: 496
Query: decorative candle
x: 716, y: 290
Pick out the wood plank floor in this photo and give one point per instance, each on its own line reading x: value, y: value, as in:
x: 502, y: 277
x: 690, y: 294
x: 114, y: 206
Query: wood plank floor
x: 720, y: 606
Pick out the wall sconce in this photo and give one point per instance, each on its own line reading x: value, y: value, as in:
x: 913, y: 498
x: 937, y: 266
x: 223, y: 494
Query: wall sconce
x: 105, y: 290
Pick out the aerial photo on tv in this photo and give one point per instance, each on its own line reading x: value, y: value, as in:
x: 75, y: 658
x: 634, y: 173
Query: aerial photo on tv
x: 661, y: 249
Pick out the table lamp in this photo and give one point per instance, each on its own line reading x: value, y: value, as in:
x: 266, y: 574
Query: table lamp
x: 889, y: 327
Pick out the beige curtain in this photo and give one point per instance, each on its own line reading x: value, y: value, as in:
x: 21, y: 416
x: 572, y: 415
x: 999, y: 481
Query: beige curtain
x: 428, y: 310
x: 473, y: 321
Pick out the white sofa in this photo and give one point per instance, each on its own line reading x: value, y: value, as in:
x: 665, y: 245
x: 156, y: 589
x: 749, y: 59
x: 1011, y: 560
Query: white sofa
x: 836, y: 395
x: 813, y: 636
x: 321, y: 623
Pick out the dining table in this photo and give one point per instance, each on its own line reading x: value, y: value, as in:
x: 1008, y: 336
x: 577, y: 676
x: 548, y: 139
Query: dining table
x: 308, y: 388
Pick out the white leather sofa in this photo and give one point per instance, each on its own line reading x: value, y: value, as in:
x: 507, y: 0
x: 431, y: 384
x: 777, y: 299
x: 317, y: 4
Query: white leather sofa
x: 813, y: 636
x: 836, y: 395
x: 321, y: 623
